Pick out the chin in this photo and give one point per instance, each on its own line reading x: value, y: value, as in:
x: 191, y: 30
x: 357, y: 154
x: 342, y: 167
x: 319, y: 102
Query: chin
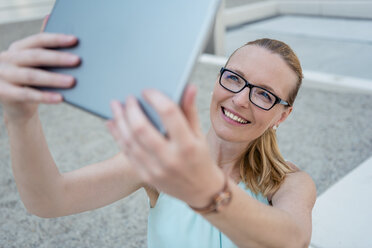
x: 229, y: 135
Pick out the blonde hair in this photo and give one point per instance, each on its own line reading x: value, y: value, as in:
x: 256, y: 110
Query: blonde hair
x: 262, y: 166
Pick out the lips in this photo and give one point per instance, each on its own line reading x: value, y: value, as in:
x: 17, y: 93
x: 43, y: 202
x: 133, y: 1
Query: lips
x: 235, y: 117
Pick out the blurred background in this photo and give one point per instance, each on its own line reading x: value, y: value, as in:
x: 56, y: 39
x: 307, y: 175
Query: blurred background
x: 328, y: 135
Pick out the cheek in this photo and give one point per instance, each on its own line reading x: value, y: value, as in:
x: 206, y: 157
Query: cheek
x: 214, y: 97
x: 213, y: 109
x: 220, y: 94
x: 264, y: 119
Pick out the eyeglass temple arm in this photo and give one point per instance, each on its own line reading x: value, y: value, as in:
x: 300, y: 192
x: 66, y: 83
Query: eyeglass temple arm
x: 283, y: 102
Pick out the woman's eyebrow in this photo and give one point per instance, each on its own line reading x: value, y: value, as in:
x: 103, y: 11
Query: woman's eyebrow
x: 266, y: 87
x: 259, y: 84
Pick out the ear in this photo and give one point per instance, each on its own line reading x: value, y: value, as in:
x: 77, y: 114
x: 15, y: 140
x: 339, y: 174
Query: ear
x: 284, y: 115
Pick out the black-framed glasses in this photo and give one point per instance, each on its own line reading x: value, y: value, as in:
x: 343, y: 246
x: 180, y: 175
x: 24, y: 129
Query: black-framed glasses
x: 259, y: 96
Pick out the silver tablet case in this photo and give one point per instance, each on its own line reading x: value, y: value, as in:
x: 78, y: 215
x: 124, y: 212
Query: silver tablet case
x: 129, y: 45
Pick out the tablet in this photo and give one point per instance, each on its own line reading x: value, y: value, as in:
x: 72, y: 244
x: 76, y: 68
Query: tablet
x: 130, y: 45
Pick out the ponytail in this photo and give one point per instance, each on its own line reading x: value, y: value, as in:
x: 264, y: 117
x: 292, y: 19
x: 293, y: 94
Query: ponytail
x: 262, y: 167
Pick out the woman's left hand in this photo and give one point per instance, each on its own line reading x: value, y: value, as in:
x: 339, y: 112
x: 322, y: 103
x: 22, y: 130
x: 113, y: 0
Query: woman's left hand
x: 180, y: 164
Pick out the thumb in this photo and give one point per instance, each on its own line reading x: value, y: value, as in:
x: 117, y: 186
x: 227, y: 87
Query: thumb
x: 189, y: 108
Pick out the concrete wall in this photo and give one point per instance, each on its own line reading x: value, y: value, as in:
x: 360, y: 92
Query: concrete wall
x: 241, y: 14
x: 24, y: 10
x: 339, y: 8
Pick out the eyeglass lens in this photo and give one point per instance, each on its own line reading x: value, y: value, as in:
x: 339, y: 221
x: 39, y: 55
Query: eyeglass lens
x: 259, y: 96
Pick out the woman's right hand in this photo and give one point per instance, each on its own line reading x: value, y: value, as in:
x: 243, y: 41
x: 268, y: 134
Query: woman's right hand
x: 19, y: 72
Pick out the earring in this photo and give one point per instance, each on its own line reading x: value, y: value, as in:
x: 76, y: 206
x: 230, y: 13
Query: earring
x: 275, y: 127
x: 211, y: 93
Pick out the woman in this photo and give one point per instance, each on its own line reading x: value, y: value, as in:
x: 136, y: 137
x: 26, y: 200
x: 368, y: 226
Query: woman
x: 230, y: 188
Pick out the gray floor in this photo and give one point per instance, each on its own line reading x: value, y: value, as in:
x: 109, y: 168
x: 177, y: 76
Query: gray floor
x: 327, y: 135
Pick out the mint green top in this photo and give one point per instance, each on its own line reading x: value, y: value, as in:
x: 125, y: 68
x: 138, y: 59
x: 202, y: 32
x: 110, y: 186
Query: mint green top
x: 171, y: 223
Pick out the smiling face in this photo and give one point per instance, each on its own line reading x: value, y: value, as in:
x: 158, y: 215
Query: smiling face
x: 234, y: 117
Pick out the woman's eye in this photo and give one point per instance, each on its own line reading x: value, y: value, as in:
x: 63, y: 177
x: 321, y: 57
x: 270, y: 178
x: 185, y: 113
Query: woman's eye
x: 266, y: 95
x: 233, y: 77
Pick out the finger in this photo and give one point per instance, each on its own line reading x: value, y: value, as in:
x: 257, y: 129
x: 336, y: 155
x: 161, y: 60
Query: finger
x: 11, y: 93
x: 174, y: 121
x: 120, y: 124
x: 124, y: 136
x: 40, y: 57
x: 142, y: 129
x: 111, y: 125
x: 44, y: 40
x: 113, y: 130
x: 128, y: 145
x: 45, y: 21
x: 146, y: 142
x: 35, y: 77
x: 189, y: 108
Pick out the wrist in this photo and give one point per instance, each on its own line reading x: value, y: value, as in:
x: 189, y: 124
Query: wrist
x: 217, y: 201
x: 210, y: 187
x: 19, y: 122
x: 19, y: 129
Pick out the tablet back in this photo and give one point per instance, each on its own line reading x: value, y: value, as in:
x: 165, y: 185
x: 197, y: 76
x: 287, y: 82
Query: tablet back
x: 129, y: 45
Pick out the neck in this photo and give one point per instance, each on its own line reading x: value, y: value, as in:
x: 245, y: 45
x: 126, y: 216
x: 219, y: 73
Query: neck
x: 225, y: 153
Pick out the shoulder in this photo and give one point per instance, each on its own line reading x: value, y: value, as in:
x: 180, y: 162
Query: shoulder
x: 298, y: 178
x: 297, y: 186
x: 296, y: 197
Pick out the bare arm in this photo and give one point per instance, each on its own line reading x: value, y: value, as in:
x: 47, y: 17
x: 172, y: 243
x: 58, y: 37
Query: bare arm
x: 287, y: 223
x: 48, y: 193
x: 44, y: 190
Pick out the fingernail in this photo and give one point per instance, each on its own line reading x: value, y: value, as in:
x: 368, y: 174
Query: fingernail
x: 73, y: 59
x: 116, y: 107
x: 131, y: 100
x: 70, y: 37
x: 55, y: 97
x: 113, y: 104
x: 148, y: 92
x: 68, y: 80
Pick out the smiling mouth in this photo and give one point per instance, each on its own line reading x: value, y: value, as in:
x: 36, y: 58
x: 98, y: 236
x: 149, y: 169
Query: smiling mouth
x: 234, y: 117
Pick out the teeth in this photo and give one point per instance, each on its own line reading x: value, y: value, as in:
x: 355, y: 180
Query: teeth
x: 234, y: 117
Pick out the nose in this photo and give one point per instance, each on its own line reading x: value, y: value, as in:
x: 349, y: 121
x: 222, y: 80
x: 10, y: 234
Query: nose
x: 241, y: 99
